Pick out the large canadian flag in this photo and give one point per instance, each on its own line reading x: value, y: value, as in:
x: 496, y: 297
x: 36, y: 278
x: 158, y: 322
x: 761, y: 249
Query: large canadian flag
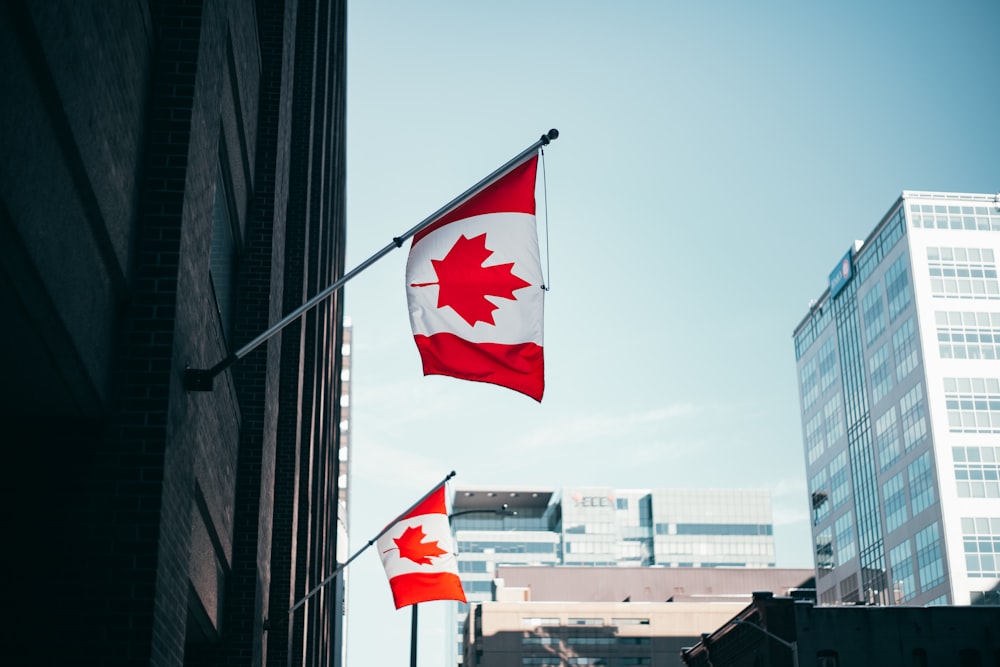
x: 419, y: 556
x: 474, y: 288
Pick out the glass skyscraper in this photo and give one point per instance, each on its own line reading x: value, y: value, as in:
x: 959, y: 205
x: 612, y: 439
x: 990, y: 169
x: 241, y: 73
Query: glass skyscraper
x: 601, y: 526
x: 899, y: 382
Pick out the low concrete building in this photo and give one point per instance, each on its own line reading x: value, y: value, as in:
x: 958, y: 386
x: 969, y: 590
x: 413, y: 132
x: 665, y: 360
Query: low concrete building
x: 557, y: 634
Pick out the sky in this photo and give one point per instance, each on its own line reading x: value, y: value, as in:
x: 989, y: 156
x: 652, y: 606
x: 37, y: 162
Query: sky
x: 716, y: 159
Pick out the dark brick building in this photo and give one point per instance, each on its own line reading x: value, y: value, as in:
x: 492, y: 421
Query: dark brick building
x: 171, y: 182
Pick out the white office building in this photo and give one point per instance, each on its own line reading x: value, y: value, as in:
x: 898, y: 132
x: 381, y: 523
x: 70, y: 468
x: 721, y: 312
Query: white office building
x: 899, y: 383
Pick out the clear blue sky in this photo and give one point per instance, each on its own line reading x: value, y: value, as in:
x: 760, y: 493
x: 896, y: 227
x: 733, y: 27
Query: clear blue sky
x: 716, y: 160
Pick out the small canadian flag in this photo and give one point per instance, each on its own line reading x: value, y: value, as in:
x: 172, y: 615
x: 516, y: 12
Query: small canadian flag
x: 418, y: 554
x: 474, y: 288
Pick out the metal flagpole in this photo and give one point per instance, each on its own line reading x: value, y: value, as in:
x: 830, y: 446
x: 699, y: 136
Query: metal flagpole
x: 201, y: 379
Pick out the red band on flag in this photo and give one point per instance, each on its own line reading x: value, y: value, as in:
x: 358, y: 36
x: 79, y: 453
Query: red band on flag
x: 518, y: 367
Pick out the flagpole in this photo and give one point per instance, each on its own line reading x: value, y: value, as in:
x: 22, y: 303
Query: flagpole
x: 201, y: 379
x: 413, y: 637
x: 370, y: 542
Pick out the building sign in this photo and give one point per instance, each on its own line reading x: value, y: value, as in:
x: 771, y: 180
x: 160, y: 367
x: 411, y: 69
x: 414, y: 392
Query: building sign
x: 592, y: 501
x: 841, y: 275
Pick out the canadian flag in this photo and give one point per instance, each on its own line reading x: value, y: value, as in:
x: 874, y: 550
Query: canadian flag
x: 474, y: 288
x: 418, y: 555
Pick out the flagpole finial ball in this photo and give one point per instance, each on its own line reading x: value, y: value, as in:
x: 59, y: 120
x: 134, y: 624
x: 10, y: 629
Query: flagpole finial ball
x: 553, y: 134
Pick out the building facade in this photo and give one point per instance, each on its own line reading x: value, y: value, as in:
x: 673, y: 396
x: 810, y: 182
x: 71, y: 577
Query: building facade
x: 899, y: 375
x: 601, y: 527
x: 782, y: 632
x: 605, y: 634
x: 171, y: 183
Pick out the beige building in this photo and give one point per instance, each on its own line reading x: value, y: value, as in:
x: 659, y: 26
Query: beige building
x: 612, y: 634
x: 611, y: 616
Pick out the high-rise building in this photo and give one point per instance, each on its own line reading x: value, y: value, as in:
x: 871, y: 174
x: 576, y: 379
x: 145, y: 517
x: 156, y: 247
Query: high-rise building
x: 602, y: 526
x: 899, y: 377
x: 171, y: 184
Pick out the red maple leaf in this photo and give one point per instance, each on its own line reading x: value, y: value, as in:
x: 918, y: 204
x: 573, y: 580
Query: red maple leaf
x: 464, y: 283
x: 412, y: 546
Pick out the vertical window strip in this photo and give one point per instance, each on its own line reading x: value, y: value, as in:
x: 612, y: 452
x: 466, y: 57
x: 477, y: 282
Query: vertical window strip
x: 921, y: 481
x: 887, y: 439
x: 828, y: 363
x: 903, y: 582
x: 880, y: 372
x: 843, y: 530
x: 809, y: 382
x: 930, y: 567
x: 897, y: 288
x: 840, y: 485
x: 894, y: 493
x: 904, y: 349
x: 913, y: 417
x: 833, y: 420
x: 874, y: 313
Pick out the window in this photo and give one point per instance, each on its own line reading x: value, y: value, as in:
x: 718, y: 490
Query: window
x: 222, y: 261
x: 887, y: 439
x: 930, y: 567
x: 809, y: 383
x: 981, y: 542
x: 874, y: 312
x: 937, y: 216
x: 815, y: 440
x: 968, y: 335
x: 894, y: 492
x: 828, y: 363
x: 973, y: 405
x: 913, y: 416
x: 840, y: 483
x: 977, y: 471
x: 833, y: 420
x: 921, y: 477
x: 844, y: 538
x: 818, y: 493
x: 904, y: 349
x: 963, y: 273
x: 897, y: 288
x: 880, y: 372
x: 903, y: 581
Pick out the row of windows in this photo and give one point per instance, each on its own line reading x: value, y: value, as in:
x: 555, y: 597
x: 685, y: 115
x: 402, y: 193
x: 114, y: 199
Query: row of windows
x: 714, y: 529
x: 969, y: 218
x: 963, y: 273
x: 977, y: 471
x: 973, y: 405
x: 968, y: 335
x: 981, y: 541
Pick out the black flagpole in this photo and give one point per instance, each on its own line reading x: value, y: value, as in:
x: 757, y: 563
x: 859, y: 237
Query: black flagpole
x: 413, y: 637
x: 201, y: 379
